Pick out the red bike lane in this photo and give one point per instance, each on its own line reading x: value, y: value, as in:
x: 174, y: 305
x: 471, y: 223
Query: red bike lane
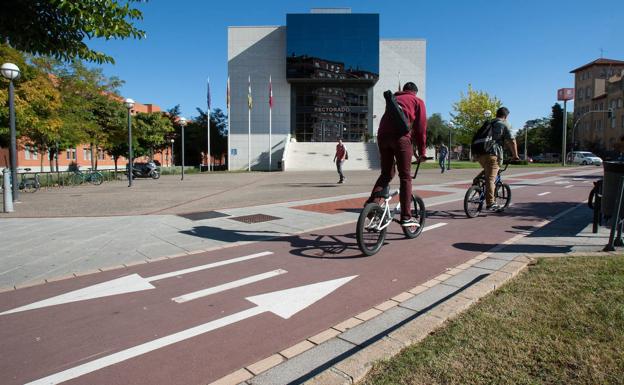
x: 40, y: 342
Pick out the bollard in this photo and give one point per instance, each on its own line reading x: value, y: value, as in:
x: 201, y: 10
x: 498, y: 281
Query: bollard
x: 7, y: 193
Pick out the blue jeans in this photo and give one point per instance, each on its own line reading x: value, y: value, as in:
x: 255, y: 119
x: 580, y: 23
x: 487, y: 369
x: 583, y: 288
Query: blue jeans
x: 339, y: 169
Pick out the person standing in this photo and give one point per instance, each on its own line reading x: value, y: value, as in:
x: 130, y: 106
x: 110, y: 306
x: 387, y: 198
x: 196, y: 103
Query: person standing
x: 442, y: 154
x: 339, y: 159
x: 396, y: 146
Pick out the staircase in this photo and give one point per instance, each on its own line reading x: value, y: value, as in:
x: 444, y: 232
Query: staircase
x: 318, y: 156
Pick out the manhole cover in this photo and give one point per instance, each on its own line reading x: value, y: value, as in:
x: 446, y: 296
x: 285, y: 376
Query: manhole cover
x: 255, y: 218
x: 203, y: 215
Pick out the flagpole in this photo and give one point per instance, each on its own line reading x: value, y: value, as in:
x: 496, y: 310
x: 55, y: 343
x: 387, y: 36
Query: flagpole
x: 270, y: 121
x: 209, y: 163
x: 249, y: 125
x: 229, y: 147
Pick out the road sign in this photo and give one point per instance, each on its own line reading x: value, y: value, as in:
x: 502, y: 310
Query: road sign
x: 283, y: 303
x: 565, y: 94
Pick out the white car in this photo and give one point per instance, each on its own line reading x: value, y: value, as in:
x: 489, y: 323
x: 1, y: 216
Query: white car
x: 584, y: 158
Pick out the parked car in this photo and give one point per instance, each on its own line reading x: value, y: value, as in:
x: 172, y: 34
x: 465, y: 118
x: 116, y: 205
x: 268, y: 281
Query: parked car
x: 528, y: 159
x: 584, y: 158
x: 548, y: 157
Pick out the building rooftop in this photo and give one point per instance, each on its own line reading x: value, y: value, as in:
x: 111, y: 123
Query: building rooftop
x: 599, y: 62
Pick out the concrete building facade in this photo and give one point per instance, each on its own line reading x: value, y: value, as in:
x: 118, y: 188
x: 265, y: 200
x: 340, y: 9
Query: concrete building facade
x: 328, y: 72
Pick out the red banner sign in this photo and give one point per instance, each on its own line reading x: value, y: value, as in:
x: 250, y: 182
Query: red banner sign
x: 565, y: 94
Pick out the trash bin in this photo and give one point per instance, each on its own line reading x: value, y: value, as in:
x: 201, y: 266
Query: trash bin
x: 613, y: 173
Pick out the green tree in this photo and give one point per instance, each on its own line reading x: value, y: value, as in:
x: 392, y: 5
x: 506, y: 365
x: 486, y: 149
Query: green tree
x: 59, y: 28
x: 152, y: 131
x: 437, y: 130
x: 537, y: 136
x: 468, y: 113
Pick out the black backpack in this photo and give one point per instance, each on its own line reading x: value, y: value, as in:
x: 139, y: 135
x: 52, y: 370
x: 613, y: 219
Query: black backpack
x: 394, y: 110
x: 483, y: 140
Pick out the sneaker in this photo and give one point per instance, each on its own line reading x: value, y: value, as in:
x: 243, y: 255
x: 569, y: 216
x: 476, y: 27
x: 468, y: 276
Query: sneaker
x: 493, y: 207
x: 340, y: 181
x: 410, y: 222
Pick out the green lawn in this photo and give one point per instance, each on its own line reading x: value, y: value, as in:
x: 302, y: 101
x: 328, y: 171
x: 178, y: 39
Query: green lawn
x: 561, y: 322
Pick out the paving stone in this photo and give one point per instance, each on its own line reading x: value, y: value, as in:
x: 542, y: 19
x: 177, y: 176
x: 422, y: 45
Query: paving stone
x: 360, y: 363
x: 297, y: 349
x: 386, y: 305
x: 443, y: 277
x: 429, y: 297
x: 491, y: 264
x: 294, y: 369
x: 234, y: 378
x: 371, y: 313
x: 417, y: 329
x: 324, y: 336
x: 402, y: 297
x: 452, y: 307
x: 330, y: 377
x: 266, y: 364
x: 514, y: 268
x: 431, y: 283
x: 465, y: 266
x: 380, y: 324
x: 418, y: 289
x: 454, y: 271
x: 486, y: 285
x: 348, y: 324
x: 466, y: 276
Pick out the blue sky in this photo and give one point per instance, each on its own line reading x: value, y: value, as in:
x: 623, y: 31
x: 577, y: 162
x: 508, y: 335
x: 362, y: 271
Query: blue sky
x: 519, y: 51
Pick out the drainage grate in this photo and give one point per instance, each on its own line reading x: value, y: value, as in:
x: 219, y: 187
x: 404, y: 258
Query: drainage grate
x: 255, y: 218
x: 203, y: 215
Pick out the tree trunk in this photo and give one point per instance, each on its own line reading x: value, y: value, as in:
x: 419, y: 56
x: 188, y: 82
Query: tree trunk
x: 92, y: 158
x: 41, y: 152
x: 115, y: 159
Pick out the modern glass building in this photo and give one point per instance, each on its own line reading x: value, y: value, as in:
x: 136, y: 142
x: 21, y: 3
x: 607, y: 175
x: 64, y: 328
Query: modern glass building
x: 328, y: 70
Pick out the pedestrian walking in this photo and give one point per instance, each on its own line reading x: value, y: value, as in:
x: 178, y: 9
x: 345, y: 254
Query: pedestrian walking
x: 339, y: 158
x: 443, y: 153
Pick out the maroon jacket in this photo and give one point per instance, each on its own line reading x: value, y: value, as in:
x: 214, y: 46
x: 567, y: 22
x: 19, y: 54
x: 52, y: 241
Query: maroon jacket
x: 414, y: 109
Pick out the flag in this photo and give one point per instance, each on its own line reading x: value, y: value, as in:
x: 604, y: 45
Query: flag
x: 270, y: 93
x: 208, y: 97
x: 249, y: 100
x: 227, y: 92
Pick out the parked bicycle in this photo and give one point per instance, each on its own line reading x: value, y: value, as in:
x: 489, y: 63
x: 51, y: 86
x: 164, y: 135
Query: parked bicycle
x: 475, y: 196
x: 29, y: 184
x: 91, y: 176
x: 375, y: 218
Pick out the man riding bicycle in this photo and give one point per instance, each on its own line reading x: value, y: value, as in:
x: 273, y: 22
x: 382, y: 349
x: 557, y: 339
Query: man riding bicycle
x: 488, y: 151
x: 395, y: 145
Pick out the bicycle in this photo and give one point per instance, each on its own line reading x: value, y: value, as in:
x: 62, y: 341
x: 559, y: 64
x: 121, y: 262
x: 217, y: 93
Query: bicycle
x: 375, y: 218
x: 29, y: 184
x: 475, y: 196
x: 93, y: 177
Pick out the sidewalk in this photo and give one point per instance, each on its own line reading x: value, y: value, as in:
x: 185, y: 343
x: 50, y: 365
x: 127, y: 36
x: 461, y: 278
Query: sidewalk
x: 344, y: 354
x: 34, y: 250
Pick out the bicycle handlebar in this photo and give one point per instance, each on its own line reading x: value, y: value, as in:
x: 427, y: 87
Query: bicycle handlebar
x: 418, y: 164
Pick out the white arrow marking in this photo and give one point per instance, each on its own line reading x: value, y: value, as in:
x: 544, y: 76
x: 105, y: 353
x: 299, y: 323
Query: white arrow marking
x: 435, y: 226
x: 284, y: 303
x: 227, y: 286
x: 544, y: 193
x: 568, y: 186
x: 562, y: 182
x: 123, y: 285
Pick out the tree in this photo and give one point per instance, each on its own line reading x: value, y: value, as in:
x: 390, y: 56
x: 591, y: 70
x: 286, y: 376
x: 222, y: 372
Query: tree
x: 152, y: 131
x: 59, y: 28
x: 537, y: 140
x: 437, y: 130
x: 468, y: 113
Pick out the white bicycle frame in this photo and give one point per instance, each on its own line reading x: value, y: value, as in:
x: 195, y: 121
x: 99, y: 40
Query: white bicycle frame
x: 383, y: 223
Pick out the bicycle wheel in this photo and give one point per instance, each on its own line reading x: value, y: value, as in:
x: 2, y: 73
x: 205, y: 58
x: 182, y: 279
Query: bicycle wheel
x: 30, y: 186
x: 472, y: 201
x: 96, y: 178
x: 419, y: 213
x: 77, y: 179
x: 502, y: 196
x: 369, y: 238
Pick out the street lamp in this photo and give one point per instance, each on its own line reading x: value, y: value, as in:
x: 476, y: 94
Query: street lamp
x: 450, y: 128
x: 11, y: 72
x: 182, y: 122
x: 129, y: 103
x: 487, y: 114
x: 171, y: 158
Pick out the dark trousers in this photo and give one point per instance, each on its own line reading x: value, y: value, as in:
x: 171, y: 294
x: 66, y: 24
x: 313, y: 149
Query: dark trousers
x: 393, y: 149
x: 442, y: 162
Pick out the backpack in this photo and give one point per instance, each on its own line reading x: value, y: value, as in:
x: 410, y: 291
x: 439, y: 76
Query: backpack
x: 396, y: 113
x: 346, y: 154
x: 482, y: 140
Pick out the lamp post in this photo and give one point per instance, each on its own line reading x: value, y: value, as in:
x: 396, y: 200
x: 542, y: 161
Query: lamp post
x: 11, y: 72
x: 171, y: 158
x: 450, y: 128
x: 182, y: 122
x: 129, y: 103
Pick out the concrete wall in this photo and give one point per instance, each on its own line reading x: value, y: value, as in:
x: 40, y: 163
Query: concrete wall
x: 258, y: 52
x: 401, y: 59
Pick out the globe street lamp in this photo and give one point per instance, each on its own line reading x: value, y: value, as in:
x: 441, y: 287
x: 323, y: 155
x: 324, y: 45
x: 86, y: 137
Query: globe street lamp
x: 171, y: 157
x: 129, y: 103
x: 487, y: 114
x: 182, y: 122
x: 11, y: 72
